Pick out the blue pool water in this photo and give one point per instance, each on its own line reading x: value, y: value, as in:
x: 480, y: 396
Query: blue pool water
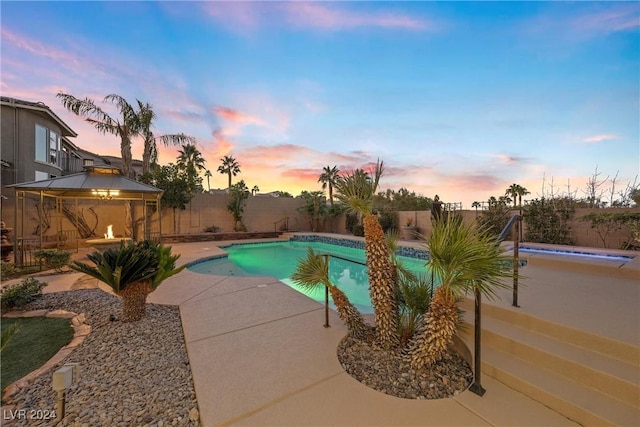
x: 280, y: 259
x: 579, y: 254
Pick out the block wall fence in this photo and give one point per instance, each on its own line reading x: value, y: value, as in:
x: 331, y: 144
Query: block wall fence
x: 261, y: 214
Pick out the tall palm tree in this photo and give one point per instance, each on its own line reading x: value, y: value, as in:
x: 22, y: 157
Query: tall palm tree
x: 467, y: 259
x: 476, y: 205
x: 191, y: 161
x: 512, y: 192
x: 255, y: 190
x: 521, y: 192
x: 146, y: 115
x: 207, y: 173
x: 125, y: 127
x: 328, y: 180
x: 356, y: 190
x: 313, y: 272
x: 230, y: 167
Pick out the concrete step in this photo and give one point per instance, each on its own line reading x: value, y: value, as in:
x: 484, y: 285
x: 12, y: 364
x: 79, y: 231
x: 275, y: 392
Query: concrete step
x: 595, y: 343
x: 590, y: 379
x: 570, y: 398
x: 612, y: 377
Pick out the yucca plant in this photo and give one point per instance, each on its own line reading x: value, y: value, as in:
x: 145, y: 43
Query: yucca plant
x: 414, y: 296
x: 356, y: 191
x: 313, y: 271
x: 133, y: 271
x: 465, y: 258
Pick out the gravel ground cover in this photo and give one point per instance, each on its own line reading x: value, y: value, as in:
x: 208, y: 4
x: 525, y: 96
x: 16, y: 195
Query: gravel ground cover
x: 389, y: 373
x: 131, y: 374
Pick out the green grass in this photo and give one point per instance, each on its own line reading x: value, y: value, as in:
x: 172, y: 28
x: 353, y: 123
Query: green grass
x: 36, y: 341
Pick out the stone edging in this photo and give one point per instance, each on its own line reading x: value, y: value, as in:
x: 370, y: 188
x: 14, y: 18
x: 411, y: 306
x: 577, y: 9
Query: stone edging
x: 80, y: 332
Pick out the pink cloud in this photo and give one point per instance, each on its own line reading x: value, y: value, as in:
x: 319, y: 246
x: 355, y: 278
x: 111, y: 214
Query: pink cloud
x: 595, y: 139
x: 37, y: 48
x: 620, y: 18
x: 509, y: 159
x: 329, y: 17
x: 237, y: 116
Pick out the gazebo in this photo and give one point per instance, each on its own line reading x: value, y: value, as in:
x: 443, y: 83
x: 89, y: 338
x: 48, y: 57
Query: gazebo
x: 101, y: 182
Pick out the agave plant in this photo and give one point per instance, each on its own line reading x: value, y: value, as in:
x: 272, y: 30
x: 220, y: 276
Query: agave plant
x: 466, y: 258
x: 356, y: 191
x: 133, y: 271
x: 312, y: 272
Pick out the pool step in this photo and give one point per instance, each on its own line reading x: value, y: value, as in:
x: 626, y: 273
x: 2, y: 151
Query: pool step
x: 590, y: 379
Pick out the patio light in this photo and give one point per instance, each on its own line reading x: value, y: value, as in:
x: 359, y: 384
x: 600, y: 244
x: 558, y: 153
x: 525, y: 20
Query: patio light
x: 105, y: 194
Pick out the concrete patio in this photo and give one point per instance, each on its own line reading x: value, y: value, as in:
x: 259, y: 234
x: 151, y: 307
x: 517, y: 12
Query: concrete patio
x: 260, y: 356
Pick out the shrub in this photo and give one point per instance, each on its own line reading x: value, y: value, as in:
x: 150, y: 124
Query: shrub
x: 212, y: 229
x: 389, y: 221
x: 20, y: 294
x: 53, y: 258
x: 548, y: 221
x: 351, y: 220
x: 8, y: 270
x: 358, y: 230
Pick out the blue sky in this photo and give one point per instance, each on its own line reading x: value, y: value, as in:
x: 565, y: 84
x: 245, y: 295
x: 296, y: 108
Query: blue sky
x: 459, y: 99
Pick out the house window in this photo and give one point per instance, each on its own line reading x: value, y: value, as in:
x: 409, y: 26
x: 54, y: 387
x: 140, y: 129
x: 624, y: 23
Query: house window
x: 47, y: 145
x: 41, y: 143
x: 41, y: 176
x: 87, y: 162
x: 54, y: 147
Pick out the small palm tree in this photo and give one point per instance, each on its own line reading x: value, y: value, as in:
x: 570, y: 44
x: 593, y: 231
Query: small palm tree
x: 133, y: 271
x: 356, y: 191
x: 313, y: 272
x: 255, y: 190
x: 229, y: 167
x: 476, y: 205
x: 328, y: 179
x: 512, y: 192
x: 466, y: 259
x: 521, y: 191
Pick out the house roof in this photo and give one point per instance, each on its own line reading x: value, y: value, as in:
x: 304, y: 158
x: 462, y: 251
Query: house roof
x: 38, y: 106
x: 102, y: 182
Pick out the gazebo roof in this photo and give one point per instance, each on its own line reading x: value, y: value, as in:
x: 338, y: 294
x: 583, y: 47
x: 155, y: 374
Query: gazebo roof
x: 103, y: 182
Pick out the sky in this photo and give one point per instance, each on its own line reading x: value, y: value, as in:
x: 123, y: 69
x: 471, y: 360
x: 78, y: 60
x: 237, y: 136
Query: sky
x: 459, y: 99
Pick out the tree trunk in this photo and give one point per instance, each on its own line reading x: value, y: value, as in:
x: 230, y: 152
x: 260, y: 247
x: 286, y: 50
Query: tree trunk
x: 382, y: 287
x: 435, y: 335
x: 349, y: 314
x: 134, y: 300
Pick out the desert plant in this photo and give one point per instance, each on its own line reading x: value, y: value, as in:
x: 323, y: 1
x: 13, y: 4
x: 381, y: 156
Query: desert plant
x: 8, y: 270
x: 133, y: 271
x: 312, y: 272
x: 548, y: 220
x: 20, y: 294
x: 238, y: 193
x: 414, y: 296
x: 466, y: 259
x: 53, y: 258
x: 356, y: 190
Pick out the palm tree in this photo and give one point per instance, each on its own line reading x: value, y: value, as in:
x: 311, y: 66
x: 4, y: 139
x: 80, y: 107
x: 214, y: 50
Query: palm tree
x: 313, y: 272
x: 133, y: 271
x: 190, y: 161
x: 208, y: 175
x: 146, y: 115
x: 230, y: 167
x: 356, y: 191
x: 521, y: 192
x: 255, y: 190
x: 512, y: 191
x: 476, y: 205
x: 126, y: 127
x: 467, y: 259
x: 328, y: 179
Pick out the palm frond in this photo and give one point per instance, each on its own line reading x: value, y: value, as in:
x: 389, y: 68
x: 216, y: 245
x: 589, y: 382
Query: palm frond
x: 312, y: 271
x: 88, y: 109
x: 358, y: 188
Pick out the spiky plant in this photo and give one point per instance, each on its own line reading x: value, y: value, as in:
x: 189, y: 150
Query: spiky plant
x: 313, y: 271
x: 133, y: 271
x: 465, y: 258
x: 356, y: 191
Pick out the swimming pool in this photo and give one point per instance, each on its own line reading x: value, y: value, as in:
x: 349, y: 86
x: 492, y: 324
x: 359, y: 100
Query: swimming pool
x: 280, y: 259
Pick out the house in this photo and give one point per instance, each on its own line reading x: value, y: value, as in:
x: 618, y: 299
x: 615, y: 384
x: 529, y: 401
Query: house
x: 35, y: 143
